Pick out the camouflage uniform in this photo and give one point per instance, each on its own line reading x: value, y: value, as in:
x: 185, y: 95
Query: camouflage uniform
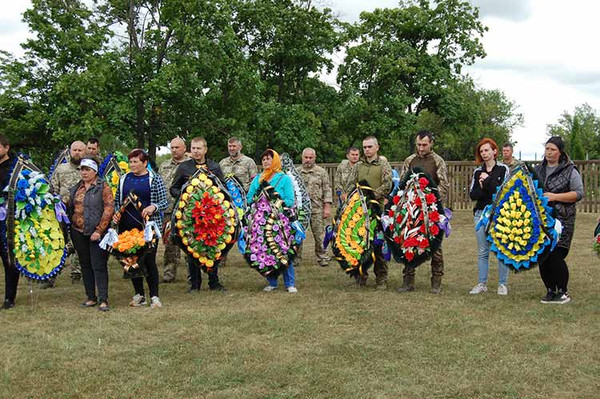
x: 318, y: 186
x: 172, y: 253
x: 243, y: 168
x: 515, y: 162
x: 342, y: 175
x: 65, y: 176
x: 378, y: 173
x: 433, y: 164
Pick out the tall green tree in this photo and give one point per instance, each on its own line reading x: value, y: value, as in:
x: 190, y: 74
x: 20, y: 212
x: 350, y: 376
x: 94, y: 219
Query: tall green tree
x: 580, y: 130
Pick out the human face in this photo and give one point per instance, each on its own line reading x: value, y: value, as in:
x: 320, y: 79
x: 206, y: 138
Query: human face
x: 353, y: 156
x: 4, y: 152
x: 267, y: 160
x: 308, y: 158
x: 92, y: 149
x: 487, y: 153
x: 423, y: 145
x: 138, y: 167
x: 507, y: 154
x: 87, y: 174
x: 370, y: 148
x: 234, y: 148
x: 198, y: 150
x: 551, y: 153
x: 177, y: 148
x: 77, y: 151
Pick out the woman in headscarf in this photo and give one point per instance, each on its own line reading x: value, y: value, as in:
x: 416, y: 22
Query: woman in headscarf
x: 282, y: 184
x: 563, y: 187
x: 90, y: 212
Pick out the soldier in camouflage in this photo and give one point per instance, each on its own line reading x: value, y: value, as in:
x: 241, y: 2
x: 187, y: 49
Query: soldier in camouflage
x: 507, y: 156
x: 435, y: 166
x: 342, y: 173
x: 167, y: 171
x: 241, y: 166
x: 66, y: 176
x: 377, y: 172
x: 318, y: 186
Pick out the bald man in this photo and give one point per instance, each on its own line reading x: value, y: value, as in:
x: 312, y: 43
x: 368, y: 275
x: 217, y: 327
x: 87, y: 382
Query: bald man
x: 167, y: 171
x: 66, y: 176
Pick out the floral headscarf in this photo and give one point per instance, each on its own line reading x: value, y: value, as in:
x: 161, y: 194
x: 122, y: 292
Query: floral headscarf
x: 275, y: 167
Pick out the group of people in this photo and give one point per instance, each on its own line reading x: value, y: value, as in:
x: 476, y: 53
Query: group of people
x: 92, y: 207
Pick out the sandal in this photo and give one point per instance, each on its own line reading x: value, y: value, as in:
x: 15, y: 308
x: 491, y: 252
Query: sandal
x: 89, y: 304
x: 104, y: 307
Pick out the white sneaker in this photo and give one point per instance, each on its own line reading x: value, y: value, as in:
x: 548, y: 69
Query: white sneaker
x: 292, y: 290
x: 479, y: 288
x: 155, y: 302
x: 269, y: 288
x: 137, y: 301
x: 502, y: 289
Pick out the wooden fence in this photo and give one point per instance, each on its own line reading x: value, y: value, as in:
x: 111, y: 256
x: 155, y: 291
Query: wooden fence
x: 460, y: 174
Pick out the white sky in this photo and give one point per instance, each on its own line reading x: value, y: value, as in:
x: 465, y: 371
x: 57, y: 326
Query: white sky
x: 541, y: 53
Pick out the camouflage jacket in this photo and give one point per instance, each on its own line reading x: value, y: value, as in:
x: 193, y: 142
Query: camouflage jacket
x: 65, y: 176
x: 342, y: 174
x: 244, y: 169
x: 382, y: 184
x: 515, y: 162
x: 318, y: 186
x: 167, y: 171
x: 441, y: 171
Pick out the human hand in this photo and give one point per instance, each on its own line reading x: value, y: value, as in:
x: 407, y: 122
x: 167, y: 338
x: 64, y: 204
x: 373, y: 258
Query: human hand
x: 95, y: 236
x: 148, y: 211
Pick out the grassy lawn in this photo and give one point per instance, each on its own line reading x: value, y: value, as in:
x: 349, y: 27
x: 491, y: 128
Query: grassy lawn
x: 328, y: 341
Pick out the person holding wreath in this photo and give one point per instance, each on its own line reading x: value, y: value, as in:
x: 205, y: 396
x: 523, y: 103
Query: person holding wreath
x: 90, y: 211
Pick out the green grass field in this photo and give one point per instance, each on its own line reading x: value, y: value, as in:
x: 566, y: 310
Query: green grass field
x: 330, y: 340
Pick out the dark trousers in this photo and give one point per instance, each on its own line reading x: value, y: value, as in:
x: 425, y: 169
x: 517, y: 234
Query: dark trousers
x: 554, y: 270
x: 11, y: 278
x: 94, y: 270
x: 148, y: 264
x: 437, y: 265
x: 196, y: 274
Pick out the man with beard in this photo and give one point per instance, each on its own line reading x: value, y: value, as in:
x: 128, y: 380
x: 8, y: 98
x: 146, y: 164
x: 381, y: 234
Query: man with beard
x: 344, y: 169
x: 167, y: 171
x: 318, y: 186
x: 66, y: 176
x: 238, y: 164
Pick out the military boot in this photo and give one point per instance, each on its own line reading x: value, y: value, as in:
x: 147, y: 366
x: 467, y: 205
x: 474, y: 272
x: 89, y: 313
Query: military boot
x: 436, y: 284
x: 409, y: 283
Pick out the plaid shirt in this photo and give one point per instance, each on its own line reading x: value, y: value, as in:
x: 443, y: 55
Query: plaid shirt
x: 158, y: 196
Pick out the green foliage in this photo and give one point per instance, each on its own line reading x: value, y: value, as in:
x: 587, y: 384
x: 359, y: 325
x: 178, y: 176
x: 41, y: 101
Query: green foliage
x: 580, y: 130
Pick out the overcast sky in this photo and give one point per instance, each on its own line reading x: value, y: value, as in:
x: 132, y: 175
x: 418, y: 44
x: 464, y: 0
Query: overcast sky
x: 541, y: 53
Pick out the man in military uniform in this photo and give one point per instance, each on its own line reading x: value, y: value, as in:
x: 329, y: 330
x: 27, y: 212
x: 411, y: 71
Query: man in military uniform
x: 377, y: 172
x: 435, y: 166
x: 507, y: 156
x: 318, y: 186
x: 238, y: 164
x: 167, y: 171
x: 66, y: 176
x: 342, y: 173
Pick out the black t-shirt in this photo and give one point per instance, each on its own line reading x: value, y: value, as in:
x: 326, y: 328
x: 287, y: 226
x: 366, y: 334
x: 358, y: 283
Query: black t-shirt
x: 483, y: 194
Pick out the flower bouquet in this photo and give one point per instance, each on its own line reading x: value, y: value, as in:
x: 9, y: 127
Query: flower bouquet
x: 112, y: 168
x: 128, y: 246
x: 519, y: 222
x: 236, y: 192
x: 303, y: 206
x: 272, y: 233
x: 414, y: 221
x: 35, y: 239
x: 354, y: 231
x: 206, y: 221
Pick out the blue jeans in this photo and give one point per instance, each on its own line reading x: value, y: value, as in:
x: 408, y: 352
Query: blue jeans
x: 483, y: 255
x: 289, y: 277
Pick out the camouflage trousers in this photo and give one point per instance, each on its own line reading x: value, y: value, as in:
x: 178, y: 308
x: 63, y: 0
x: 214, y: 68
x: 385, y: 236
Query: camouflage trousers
x: 75, y: 266
x: 171, y: 258
x: 437, y: 265
x: 317, y: 226
x: 380, y: 268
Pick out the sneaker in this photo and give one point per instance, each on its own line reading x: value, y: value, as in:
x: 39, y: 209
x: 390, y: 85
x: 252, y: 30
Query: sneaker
x: 292, y: 290
x: 549, y: 297
x: 478, y: 289
x: 218, y: 287
x: 269, y: 288
x: 155, y: 302
x: 502, y: 289
x: 137, y: 301
x: 561, y: 298
x: 8, y: 304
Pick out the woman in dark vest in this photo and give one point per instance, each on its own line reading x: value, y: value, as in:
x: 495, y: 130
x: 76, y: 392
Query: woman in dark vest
x: 563, y: 188
x: 90, y: 212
